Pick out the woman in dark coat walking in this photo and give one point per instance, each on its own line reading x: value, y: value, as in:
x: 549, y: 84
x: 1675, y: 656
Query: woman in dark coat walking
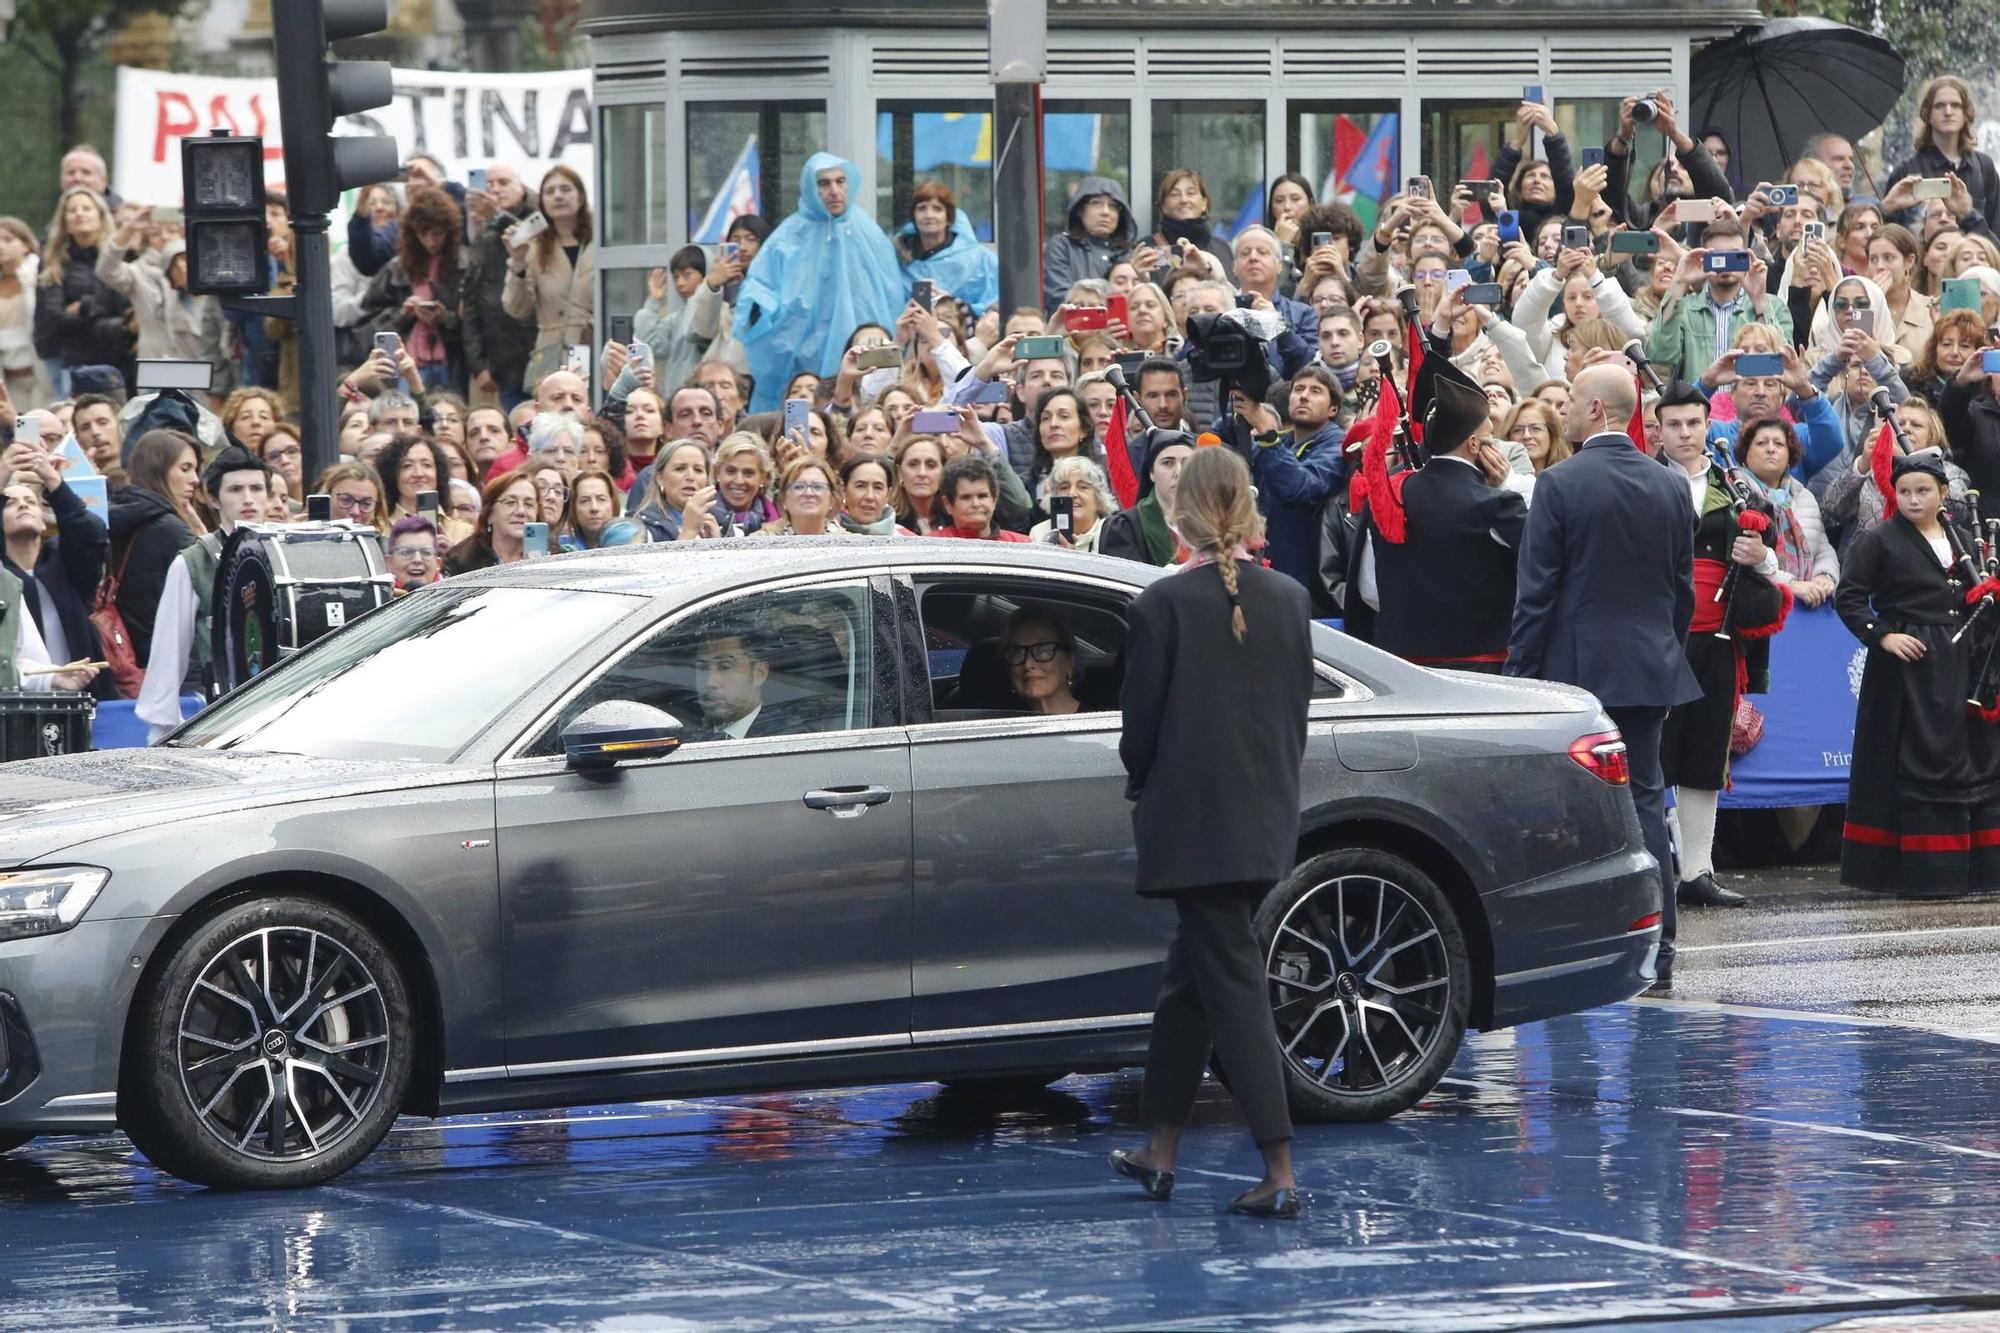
x: 1923, y: 802
x: 1218, y: 677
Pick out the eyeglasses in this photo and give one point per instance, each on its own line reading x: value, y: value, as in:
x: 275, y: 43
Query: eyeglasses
x: 414, y: 553
x: 1017, y: 653
x: 283, y: 455
x: 1858, y: 303
x: 515, y: 502
x: 360, y: 504
x: 810, y: 488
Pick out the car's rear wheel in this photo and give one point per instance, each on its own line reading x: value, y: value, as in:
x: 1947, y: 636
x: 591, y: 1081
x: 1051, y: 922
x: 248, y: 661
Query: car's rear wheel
x: 1370, y: 983
x: 276, y: 1048
x: 10, y: 1140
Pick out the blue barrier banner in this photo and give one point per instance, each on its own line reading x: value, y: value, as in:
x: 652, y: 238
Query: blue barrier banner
x: 1808, y: 717
x: 116, y: 728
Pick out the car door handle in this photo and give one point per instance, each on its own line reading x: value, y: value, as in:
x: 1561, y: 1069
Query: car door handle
x: 846, y: 802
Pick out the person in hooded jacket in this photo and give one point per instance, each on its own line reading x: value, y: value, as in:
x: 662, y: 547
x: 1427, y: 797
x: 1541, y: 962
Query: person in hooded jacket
x: 1100, y: 233
x: 824, y: 271
x: 936, y: 242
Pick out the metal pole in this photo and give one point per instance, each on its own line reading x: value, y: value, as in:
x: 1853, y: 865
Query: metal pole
x: 1017, y: 193
x: 314, y: 314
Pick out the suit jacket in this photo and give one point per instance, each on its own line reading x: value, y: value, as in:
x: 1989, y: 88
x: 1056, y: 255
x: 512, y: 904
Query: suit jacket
x: 1448, y: 591
x: 1606, y: 578
x: 1215, y: 730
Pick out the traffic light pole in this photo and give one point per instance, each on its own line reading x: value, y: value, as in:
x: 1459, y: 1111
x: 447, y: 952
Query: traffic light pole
x: 319, y: 414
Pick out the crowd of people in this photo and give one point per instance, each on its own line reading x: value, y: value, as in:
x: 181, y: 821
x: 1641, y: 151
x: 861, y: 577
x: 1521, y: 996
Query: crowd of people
x: 827, y: 375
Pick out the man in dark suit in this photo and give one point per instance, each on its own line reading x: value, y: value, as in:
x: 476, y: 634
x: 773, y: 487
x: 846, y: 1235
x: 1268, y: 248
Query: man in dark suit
x: 1606, y: 590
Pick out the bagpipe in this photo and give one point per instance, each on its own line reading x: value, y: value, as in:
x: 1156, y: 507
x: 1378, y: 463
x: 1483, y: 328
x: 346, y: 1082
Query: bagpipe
x: 1750, y: 519
x: 1982, y: 691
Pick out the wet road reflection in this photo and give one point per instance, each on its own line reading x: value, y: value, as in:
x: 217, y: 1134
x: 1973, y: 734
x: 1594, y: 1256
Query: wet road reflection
x: 1636, y: 1163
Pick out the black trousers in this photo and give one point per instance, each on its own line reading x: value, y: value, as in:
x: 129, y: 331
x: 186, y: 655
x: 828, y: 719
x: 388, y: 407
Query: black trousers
x: 1642, y: 728
x: 1214, y: 998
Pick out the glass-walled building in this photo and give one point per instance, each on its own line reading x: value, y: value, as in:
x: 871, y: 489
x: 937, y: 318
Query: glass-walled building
x: 708, y: 108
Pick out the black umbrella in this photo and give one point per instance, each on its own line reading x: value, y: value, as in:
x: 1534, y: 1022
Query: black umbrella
x: 1770, y: 89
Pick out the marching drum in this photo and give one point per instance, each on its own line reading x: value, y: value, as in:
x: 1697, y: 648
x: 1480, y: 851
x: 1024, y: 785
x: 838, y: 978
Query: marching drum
x: 36, y: 725
x: 280, y: 587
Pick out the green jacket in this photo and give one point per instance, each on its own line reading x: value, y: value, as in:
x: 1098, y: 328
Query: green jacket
x: 12, y: 608
x: 202, y: 560
x: 1683, y: 339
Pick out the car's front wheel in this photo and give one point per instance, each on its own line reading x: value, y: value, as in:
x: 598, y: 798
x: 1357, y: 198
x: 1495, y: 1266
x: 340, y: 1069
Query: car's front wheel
x: 276, y: 1048
x: 10, y: 1140
x: 1370, y: 983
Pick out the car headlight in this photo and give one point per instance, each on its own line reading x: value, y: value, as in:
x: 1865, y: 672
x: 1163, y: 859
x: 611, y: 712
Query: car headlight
x: 46, y: 900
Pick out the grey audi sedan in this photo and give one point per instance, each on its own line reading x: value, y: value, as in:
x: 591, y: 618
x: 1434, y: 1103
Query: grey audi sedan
x: 683, y: 820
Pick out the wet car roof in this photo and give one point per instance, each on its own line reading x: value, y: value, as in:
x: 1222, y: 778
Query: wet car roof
x: 680, y: 568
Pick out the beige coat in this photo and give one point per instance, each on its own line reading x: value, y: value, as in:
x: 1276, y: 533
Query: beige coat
x: 562, y: 300
x: 169, y: 323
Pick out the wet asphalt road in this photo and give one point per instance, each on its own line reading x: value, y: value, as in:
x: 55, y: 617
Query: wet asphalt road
x: 1807, y: 1136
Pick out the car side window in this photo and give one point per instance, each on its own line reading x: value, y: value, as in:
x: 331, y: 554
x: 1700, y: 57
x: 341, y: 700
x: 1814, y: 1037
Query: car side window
x: 999, y: 647
x: 786, y: 662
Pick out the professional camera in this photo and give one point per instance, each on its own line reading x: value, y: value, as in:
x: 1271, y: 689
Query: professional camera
x: 1231, y: 346
x: 1644, y: 110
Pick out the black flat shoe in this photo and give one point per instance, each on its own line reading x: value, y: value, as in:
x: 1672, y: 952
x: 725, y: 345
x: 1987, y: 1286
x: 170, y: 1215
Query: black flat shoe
x: 1703, y: 891
x: 1662, y: 987
x: 1157, y: 1184
x: 1281, y: 1205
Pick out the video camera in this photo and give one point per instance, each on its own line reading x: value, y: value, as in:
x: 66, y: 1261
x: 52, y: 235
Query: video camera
x: 1231, y: 346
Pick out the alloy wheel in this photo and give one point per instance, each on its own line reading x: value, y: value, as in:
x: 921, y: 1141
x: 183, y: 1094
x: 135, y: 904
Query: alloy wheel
x: 1360, y: 984
x: 284, y: 1043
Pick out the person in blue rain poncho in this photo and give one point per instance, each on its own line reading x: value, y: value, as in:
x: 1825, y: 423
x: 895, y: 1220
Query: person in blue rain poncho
x: 936, y: 242
x: 826, y: 270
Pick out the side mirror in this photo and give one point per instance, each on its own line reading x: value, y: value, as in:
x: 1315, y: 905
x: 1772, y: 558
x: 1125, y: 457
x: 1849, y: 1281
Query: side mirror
x: 618, y: 731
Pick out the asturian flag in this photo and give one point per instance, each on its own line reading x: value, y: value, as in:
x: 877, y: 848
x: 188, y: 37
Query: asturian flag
x: 738, y: 195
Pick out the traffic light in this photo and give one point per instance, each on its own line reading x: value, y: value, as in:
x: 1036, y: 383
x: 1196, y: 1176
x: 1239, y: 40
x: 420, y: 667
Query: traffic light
x: 222, y: 193
x: 314, y: 91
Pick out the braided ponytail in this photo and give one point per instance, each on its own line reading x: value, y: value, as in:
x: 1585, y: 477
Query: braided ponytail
x: 1216, y: 513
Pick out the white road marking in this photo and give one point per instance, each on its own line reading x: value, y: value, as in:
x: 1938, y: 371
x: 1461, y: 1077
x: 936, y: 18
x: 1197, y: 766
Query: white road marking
x: 1835, y: 939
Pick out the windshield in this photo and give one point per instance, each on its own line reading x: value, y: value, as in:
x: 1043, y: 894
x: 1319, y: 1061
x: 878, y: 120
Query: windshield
x: 415, y: 681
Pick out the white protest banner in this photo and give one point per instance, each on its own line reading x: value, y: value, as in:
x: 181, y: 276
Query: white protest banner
x: 464, y: 120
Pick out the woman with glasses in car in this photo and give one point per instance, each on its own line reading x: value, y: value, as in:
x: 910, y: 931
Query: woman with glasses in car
x: 1040, y: 654
x: 413, y: 554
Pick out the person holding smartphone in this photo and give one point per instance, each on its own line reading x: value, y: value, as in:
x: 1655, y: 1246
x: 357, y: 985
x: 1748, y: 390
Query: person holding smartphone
x: 552, y: 273
x: 421, y: 290
x: 936, y: 245
x: 1947, y: 147
x: 496, y: 343
x: 1706, y: 305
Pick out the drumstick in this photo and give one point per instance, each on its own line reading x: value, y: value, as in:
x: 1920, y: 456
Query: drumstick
x: 54, y: 670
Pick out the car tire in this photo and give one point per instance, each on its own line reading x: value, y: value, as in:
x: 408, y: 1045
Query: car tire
x: 1371, y: 1022
x: 10, y: 1140
x: 277, y: 993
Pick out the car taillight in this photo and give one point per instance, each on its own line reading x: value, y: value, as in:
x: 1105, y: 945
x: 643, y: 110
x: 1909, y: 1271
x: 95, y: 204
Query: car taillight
x: 1650, y: 921
x: 1603, y: 754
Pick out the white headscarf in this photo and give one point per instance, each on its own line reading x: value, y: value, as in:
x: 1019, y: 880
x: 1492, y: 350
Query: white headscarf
x: 1879, y: 325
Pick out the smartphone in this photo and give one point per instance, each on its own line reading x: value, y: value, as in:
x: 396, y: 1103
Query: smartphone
x: 1814, y: 231
x: 1533, y: 93
x: 1593, y: 157
x: 535, y: 539
x: 528, y: 228
x: 389, y: 344
x: 1783, y: 196
x: 731, y: 250
x: 1959, y: 294
x: 1088, y: 319
x: 166, y: 216
x: 880, y: 358
x: 1576, y: 236
x: 934, y: 421
x: 621, y: 328
x: 475, y: 179
x: 1128, y: 364
x: 577, y: 362
x: 1510, y: 226
x: 995, y: 391
x: 1417, y: 187
x: 1322, y: 239
x: 1695, y: 210
x: 319, y: 508
x: 1455, y: 279
x: 1931, y: 187
x: 1634, y: 243
x: 1990, y: 362
x: 641, y: 354
x: 798, y: 415
x: 427, y: 502
x: 924, y: 292
x: 1726, y: 261
x: 1040, y: 347
x: 1760, y: 365
x: 1482, y: 293
x: 1119, y: 307
x: 1062, y: 514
